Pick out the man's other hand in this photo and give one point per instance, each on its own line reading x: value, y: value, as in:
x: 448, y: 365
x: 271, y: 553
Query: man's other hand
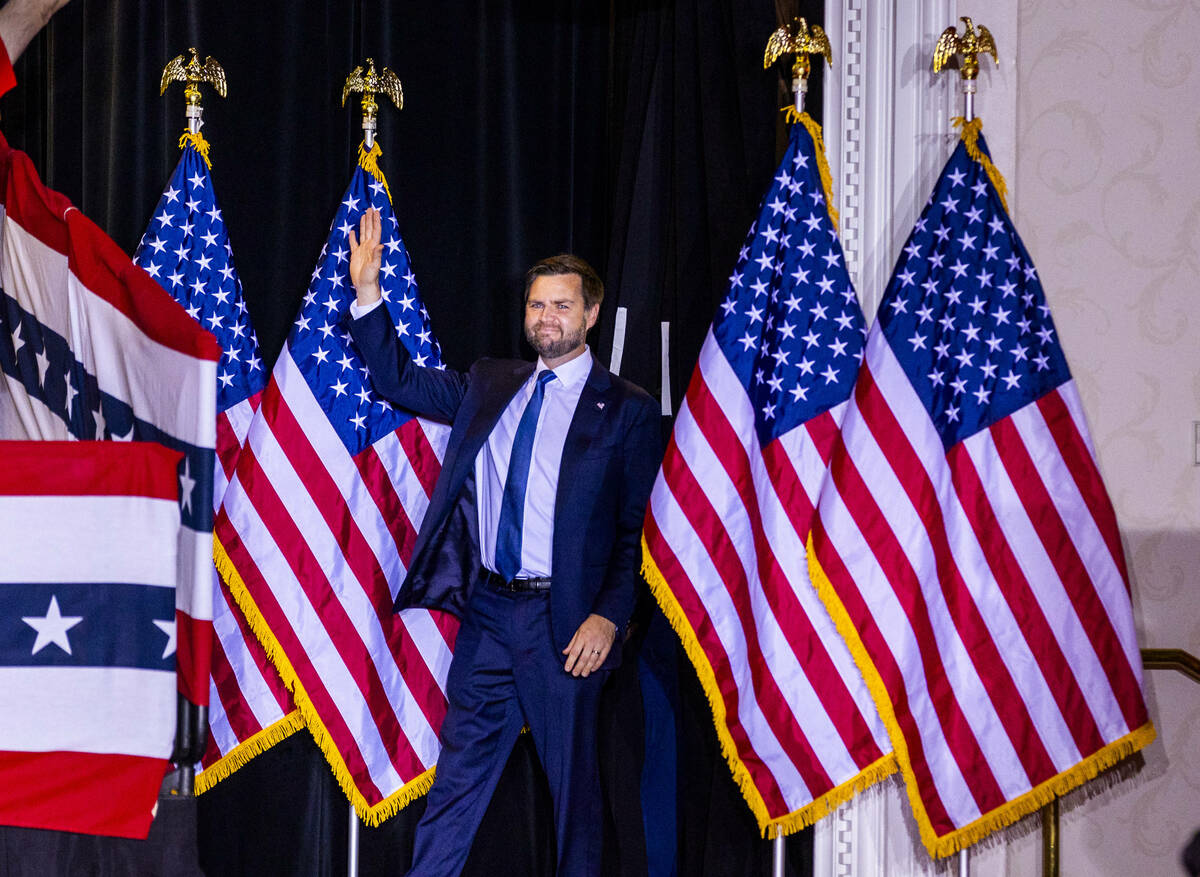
x: 590, y: 646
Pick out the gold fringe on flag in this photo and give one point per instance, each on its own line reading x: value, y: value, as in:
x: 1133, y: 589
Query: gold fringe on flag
x: 372, y: 815
x: 1030, y: 802
x: 197, y: 142
x: 247, y: 749
x: 970, y: 137
x: 814, y: 131
x: 369, y: 161
x: 769, y: 827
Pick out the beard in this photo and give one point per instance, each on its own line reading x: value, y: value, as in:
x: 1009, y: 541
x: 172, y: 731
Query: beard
x: 550, y: 347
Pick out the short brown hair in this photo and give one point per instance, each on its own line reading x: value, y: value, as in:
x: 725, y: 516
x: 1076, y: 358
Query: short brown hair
x: 568, y: 263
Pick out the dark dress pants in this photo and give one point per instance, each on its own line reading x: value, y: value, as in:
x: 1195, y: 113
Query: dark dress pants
x: 506, y: 673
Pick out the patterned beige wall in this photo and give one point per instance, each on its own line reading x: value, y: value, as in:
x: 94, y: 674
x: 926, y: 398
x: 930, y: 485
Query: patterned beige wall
x: 1107, y: 184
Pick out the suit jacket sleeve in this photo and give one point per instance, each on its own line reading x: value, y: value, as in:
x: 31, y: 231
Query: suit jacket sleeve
x: 641, y: 455
x: 429, y: 392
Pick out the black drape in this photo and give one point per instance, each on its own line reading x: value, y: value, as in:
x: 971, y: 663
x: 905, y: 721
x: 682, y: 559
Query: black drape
x: 639, y: 135
x: 496, y: 160
x: 694, y: 143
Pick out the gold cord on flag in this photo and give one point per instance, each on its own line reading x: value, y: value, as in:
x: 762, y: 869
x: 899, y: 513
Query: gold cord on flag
x: 970, y: 138
x: 368, y: 160
x: 198, y: 143
x: 814, y: 131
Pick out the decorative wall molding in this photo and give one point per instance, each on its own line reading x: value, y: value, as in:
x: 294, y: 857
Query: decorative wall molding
x: 887, y: 133
x: 843, y: 121
x: 887, y: 126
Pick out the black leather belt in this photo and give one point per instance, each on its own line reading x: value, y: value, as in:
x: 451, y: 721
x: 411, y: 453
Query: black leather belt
x: 517, y: 586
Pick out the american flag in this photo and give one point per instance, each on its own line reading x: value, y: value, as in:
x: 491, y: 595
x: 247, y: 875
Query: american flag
x: 91, y: 348
x: 186, y: 249
x: 972, y: 551
x: 731, y: 510
x: 319, y: 521
x: 89, y: 533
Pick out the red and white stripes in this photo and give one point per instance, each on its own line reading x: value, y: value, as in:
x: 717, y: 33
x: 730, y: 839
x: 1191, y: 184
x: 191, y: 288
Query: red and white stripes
x: 984, y: 589
x: 318, y: 540
x: 725, y: 538
x: 145, y: 353
x: 87, y: 715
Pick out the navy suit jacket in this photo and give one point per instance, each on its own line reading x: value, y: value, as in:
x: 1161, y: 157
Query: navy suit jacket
x: 609, y: 461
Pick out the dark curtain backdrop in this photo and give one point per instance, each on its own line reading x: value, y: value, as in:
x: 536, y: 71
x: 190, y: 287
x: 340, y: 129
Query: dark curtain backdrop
x: 694, y: 140
x: 640, y: 135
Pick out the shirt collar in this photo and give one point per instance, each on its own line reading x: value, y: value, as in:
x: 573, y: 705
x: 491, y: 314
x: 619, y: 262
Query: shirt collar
x: 570, y: 373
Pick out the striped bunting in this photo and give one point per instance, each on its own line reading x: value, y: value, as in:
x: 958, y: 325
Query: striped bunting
x: 89, y: 533
x: 91, y: 348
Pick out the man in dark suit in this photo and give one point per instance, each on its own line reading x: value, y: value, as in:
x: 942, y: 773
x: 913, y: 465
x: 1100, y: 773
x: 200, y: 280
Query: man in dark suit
x: 532, y: 537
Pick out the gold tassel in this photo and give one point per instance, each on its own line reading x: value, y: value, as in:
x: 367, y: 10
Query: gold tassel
x: 197, y: 142
x: 1031, y: 801
x: 372, y: 815
x: 369, y: 161
x: 796, y: 820
x: 1055, y: 787
x: 970, y: 137
x: 814, y: 131
x: 237, y: 757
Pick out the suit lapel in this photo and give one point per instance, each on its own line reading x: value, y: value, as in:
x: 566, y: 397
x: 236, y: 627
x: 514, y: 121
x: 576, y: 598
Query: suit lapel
x: 501, y: 387
x: 596, y: 404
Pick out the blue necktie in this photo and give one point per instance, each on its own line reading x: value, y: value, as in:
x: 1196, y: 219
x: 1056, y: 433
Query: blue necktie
x: 512, y: 507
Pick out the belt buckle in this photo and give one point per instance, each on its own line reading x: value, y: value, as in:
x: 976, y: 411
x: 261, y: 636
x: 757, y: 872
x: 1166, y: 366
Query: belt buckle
x: 533, y: 585
x: 497, y: 582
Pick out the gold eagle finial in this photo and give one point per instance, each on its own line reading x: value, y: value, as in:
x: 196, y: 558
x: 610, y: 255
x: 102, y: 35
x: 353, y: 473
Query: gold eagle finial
x: 192, y: 74
x: 372, y: 83
x: 799, y: 39
x: 970, y: 46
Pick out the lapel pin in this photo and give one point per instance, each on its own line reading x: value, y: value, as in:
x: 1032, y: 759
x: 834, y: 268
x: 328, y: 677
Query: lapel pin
x: 600, y: 405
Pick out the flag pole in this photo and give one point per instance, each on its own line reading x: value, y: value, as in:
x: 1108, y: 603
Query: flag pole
x: 778, y: 856
x: 799, y: 88
x: 191, y: 719
x: 969, y: 46
x: 369, y: 83
x: 799, y: 40
x: 968, y: 89
x: 352, y: 846
x: 191, y: 73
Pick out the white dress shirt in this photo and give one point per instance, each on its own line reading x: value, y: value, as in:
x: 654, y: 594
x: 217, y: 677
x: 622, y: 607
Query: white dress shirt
x: 541, y: 489
x: 357, y: 311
